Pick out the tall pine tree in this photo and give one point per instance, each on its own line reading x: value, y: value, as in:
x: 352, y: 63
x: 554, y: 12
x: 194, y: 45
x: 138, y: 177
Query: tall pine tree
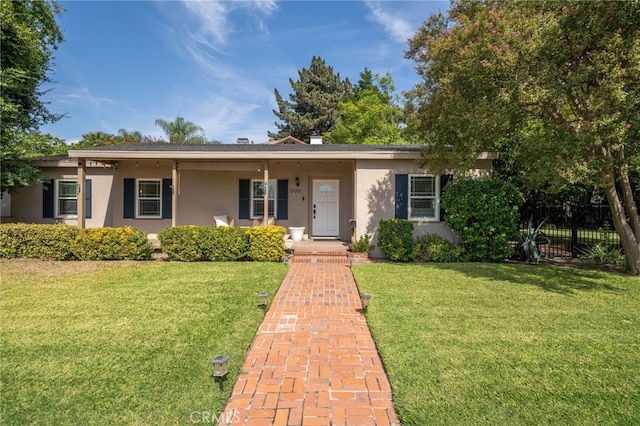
x: 312, y: 108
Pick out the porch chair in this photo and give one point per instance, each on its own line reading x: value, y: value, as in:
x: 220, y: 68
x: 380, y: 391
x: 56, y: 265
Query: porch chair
x: 223, y: 220
x: 270, y: 221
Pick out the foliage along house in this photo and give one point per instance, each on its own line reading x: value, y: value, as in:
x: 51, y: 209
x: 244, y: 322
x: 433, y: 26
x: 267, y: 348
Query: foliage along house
x: 333, y: 191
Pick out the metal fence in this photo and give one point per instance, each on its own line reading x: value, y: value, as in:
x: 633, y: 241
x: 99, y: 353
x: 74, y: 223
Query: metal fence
x: 570, y: 228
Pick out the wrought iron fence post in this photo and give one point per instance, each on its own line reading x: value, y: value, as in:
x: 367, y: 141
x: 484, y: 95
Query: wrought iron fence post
x: 574, y: 231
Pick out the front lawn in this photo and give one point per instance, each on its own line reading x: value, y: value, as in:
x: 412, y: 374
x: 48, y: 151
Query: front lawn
x: 506, y: 344
x: 124, y: 342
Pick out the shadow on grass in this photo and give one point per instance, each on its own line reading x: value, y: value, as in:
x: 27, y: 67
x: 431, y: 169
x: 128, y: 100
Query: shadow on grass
x: 554, y: 279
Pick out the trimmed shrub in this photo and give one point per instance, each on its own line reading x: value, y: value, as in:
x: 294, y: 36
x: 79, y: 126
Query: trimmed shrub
x: 363, y: 245
x: 126, y: 243
x: 225, y: 243
x: 267, y: 243
x: 484, y: 215
x: 194, y: 243
x: 183, y: 242
x: 434, y: 248
x: 47, y: 242
x: 395, y: 239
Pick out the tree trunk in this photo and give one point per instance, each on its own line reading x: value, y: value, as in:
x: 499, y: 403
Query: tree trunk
x: 630, y: 204
x: 630, y: 244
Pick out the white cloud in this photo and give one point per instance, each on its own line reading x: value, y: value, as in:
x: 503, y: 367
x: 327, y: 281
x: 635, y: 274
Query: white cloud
x: 80, y: 96
x: 213, y: 27
x: 397, y: 27
x: 205, y: 31
x: 265, y: 6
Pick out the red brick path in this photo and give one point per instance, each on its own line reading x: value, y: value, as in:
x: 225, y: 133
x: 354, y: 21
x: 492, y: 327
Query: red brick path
x: 313, y: 361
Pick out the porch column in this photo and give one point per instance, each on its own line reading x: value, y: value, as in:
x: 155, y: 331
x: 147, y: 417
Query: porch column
x: 174, y: 194
x: 81, y: 207
x: 265, y: 168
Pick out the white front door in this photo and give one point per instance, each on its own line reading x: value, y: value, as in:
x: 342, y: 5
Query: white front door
x: 326, y: 212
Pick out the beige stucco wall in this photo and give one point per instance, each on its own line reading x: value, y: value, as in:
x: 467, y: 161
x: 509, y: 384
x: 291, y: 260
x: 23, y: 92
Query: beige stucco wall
x: 375, y: 196
x: 367, y: 193
x: 26, y: 205
x: 202, y: 193
x: 140, y: 170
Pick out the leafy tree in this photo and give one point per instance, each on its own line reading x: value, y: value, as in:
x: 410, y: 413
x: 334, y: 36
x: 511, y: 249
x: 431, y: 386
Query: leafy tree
x: 124, y: 137
x: 30, y: 34
x: 370, y: 115
x: 181, y: 131
x: 17, y: 172
x: 93, y: 139
x: 312, y: 108
x: 134, y: 137
x: 560, y: 80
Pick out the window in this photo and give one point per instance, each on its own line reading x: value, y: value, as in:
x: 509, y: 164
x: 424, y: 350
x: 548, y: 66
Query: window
x: 257, y: 198
x: 423, y: 191
x: 66, y: 198
x: 149, y: 198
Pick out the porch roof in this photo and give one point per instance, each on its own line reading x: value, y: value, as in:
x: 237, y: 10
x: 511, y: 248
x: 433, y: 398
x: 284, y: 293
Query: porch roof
x: 255, y: 152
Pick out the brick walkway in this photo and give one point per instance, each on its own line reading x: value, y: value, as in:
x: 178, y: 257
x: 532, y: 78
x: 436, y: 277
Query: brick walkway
x: 313, y: 361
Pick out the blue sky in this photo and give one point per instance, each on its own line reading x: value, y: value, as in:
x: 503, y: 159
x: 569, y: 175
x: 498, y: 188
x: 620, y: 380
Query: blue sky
x: 124, y: 64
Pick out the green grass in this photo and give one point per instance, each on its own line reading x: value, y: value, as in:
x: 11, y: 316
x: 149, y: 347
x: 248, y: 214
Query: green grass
x: 507, y: 344
x: 563, y: 235
x: 123, y: 342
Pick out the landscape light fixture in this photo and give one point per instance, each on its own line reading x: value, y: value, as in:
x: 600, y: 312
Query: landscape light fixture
x: 263, y: 300
x: 366, y: 300
x: 220, y: 368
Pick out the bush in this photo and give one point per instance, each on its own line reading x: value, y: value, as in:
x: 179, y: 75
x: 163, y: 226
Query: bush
x: 484, y: 214
x: 183, y: 242
x: 126, y: 243
x: 605, y: 251
x: 225, y: 243
x: 395, y: 239
x: 267, y: 243
x: 434, y: 248
x: 194, y: 243
x: 363, y: 245
x: 47, y: 242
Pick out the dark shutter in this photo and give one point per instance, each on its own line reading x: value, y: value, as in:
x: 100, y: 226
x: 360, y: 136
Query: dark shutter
x: 167, y: 196
x: 244, y: 200
x: 129, y: 198
x: 48, y: 193
x: 402, y: 196
x: 444, y: 180
x: 283, y: 199
x: 87, y: 199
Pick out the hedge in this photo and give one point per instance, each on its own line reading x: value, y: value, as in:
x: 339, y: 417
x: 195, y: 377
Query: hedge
x: 190, y: 243
x: 266, y: 243
x: 225, y: 243
x: 47, y: 242
x: 484, y: 214
x: 112, y: 244
x: 395, y: 239
x: 434, y: 248
x: 183, y: 243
